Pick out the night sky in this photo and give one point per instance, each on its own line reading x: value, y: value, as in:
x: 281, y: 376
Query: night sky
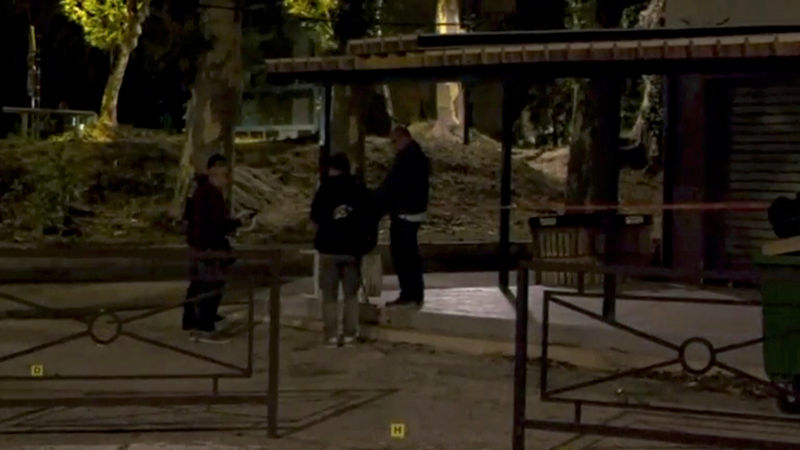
x: 153, y: 94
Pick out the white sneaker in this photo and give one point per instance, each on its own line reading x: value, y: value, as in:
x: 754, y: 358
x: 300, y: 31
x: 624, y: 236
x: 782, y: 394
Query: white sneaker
x: 223, y: 324
x: 332, y: 342
x: 210, y: 337
x: 349, y: 341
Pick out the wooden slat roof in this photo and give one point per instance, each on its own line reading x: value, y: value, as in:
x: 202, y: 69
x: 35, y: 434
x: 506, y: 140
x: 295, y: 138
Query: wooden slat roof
x: 403, y: 57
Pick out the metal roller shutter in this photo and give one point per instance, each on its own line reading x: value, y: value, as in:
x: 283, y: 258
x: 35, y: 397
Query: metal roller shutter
x: 764, y: 157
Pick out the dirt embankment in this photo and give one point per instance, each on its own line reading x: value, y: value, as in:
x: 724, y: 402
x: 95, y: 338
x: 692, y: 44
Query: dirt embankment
x: 121, y: 190
x: 465, y: 186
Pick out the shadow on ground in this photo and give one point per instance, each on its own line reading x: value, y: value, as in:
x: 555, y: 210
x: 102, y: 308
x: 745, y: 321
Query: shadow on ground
x: 301, y: 409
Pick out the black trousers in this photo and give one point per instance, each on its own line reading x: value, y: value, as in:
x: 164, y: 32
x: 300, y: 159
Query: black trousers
x: 407, y: 260
x: 203, y: 295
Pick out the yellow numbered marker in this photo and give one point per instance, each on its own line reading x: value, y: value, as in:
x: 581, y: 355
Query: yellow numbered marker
x: 398, y: 430
x: 37, y: 370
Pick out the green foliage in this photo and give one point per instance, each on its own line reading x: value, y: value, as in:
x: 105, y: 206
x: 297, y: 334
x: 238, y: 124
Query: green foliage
x: 12, y: 181
x: 630, y: 103
x: 315, y: 9
x: 355, y: 19
x: 318, y: 15
x: 252, y: 56
x: 584, y: 13
x: 104, y: 22
x: 57, y: 185
x: 336, y: 21
x: 630, y: 17
x: 550, y: 107
x: 580, y: 14
x: 171, y: 40
x: 268, y: 32
x: 549, y: 112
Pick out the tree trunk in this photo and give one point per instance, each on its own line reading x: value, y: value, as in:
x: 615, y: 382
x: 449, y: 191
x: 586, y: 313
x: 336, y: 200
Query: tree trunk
x: 348, y: 124
x: 647, y: 132
x: 348, y: 128
x: 108, y: 108
x: 449, y: 101
x: 387, y: 95
x: 213, y: 110
x: 122, y: 55
x: 385, y: 89
x: 593, y: 171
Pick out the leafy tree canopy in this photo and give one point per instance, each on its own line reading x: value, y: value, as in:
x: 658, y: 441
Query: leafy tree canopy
x: 104, y: 22
x: 336, y: 21
x: 320, y: 15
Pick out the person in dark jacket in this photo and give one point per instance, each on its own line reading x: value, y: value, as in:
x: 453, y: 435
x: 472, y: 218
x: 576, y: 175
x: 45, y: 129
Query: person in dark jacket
x: 404, y: 193
x: 335, y: 210
x: 207, y: 231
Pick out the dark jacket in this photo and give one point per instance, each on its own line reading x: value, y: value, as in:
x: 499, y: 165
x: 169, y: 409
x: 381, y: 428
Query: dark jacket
x: 207, y: 216
x: 338, y: 210
x: 406, y: 188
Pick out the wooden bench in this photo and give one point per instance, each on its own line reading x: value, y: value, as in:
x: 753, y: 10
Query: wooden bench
x: 31, y: 116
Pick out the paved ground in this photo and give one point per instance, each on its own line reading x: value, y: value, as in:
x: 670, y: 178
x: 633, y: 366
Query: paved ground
x: 349, y: 398
x: 469, y: 305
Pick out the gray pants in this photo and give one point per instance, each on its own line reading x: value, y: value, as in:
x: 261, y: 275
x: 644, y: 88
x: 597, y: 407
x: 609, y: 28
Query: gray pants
x: 334, y: 269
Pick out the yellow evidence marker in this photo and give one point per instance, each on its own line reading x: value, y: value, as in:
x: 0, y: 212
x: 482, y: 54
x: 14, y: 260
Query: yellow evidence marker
x: 37, y: 370
x: 398, y: 430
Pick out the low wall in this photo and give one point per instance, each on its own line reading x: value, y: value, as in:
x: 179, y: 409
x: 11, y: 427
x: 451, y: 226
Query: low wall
x: 28, y: 265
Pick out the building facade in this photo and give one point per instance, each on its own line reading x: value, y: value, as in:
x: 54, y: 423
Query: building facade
x: 731, y: 138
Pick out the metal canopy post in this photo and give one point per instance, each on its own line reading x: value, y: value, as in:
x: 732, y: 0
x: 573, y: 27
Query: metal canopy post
x: 325, y: 131
x: 505, y: 188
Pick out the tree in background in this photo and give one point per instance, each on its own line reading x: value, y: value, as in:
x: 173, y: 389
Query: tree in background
x: 213, y: 110
x: 353, y: 19
x: 449, y: 96
x: 647, y: 133
x: 546, y: 108
x: 594, y: 163
x: 319, y: 15
x: 156, y: 88
x: 336, y: 22
x: 113, y: 26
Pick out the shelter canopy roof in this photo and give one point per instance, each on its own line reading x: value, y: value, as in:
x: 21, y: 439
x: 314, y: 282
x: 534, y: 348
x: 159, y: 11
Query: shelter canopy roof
x: 547, y: 54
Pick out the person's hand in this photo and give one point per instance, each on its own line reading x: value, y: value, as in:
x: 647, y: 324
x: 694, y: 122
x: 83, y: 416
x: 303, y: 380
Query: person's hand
x: 248, y: 217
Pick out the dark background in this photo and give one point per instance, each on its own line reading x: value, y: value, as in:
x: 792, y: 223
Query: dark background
x: 157, y: 81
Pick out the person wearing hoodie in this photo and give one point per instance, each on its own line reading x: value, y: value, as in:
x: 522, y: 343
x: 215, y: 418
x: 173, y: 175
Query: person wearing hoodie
x: 207, y: 232
x: 338, y: 210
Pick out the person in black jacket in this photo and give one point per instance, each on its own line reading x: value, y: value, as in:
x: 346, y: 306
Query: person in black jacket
x: 336, y: 210
x: 404, y: 193
x: 207, y: 231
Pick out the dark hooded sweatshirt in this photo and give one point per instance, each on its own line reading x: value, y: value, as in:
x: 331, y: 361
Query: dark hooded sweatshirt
x: 338, y: 210
x: 208, y: 221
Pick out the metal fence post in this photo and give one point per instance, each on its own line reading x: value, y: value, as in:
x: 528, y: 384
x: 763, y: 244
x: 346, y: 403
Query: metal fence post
x: 274, y: 347
x: 545, y: 357
x: 610, y: 257
x: 520, y: 359
x: 505, y: 187
x: 610, y: 297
